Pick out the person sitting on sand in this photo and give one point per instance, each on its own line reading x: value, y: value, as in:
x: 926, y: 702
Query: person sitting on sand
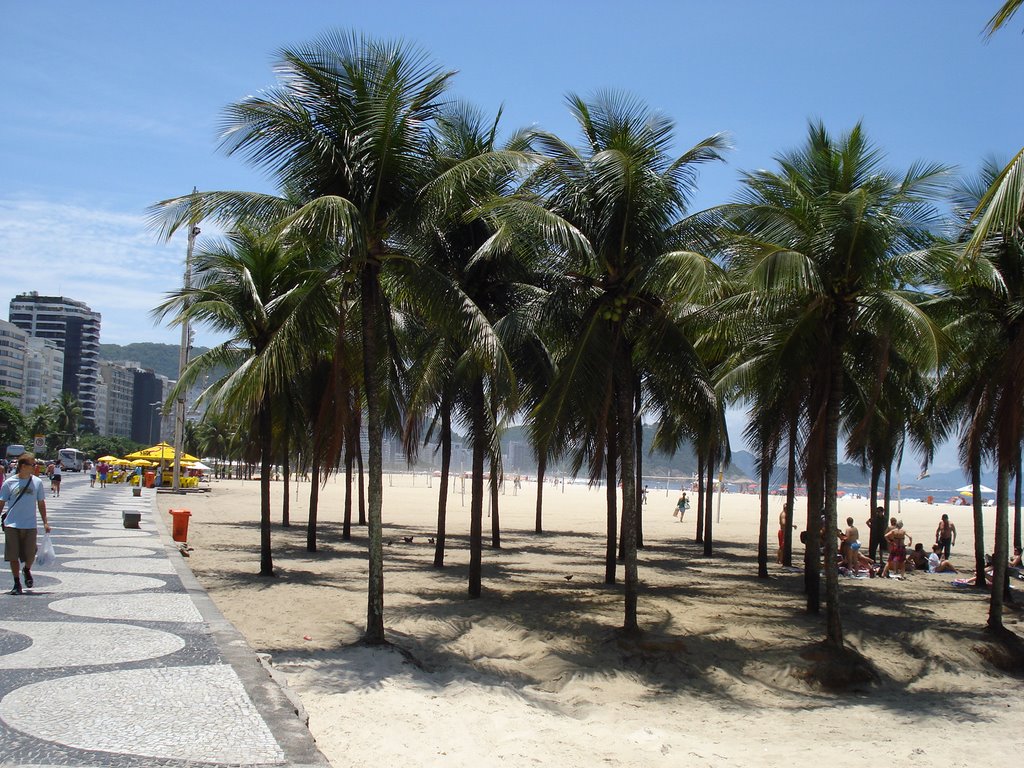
x: 917, y: 558
x: 936, y: 564
x: 898, y: 540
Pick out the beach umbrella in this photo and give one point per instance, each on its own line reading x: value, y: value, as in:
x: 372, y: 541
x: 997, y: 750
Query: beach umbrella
x: 143, y: 463
x: 160, y: 452
x: 108, y: 458
x: 968, y: 490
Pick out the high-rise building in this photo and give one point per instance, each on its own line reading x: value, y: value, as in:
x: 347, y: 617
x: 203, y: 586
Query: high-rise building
x: 44, y: 373
x: 76, y: 330
x: 13, y: 343
x: 119, y: 389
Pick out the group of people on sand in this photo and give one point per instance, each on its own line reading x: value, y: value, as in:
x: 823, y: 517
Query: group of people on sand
x: 897, y: 540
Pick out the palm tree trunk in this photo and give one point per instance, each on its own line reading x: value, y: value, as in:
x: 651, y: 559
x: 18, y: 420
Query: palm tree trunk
x: 314, y: 503
x: 495, y: 522
x: 624, y: 396
x: 346, y: 522
x: 375, y: 588
x: 286, y: 519
x: 639, y: 475
x: 1000, y: 555
x: 762, y: 537
x: 265, y: 438
x: 442, y: 493
x: 873, y: 529
x: 361, y: 488
x: 787, y: 554
x: 542, y: 465
x: 709, y: 491
x: 476, y: 502
x: 812, y: 553
x: 611, y: 461
x: 833, y: 622
x: 700, y: 496
x: 979, y: 521
x: 1016, y: 503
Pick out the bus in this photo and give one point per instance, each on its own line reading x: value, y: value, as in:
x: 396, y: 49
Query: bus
x: 71, y: 459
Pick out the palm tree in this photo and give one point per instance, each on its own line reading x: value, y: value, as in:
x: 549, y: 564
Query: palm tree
x: 67, y: 413
x: 344, y: 133
x: 464, y: 257
x: 1002, y: 16
x: 612, y: 214
x: 819, y: 244
x: 249, y: 288
x: 985, y: 301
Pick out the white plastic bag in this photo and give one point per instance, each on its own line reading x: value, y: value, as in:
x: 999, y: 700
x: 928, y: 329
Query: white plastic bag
x: 45, y: 556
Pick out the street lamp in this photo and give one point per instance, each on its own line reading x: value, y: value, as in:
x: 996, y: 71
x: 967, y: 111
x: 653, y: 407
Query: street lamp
x: 152, y: 413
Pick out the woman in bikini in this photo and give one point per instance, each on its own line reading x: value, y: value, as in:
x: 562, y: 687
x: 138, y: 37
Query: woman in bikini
x: 898, y: 540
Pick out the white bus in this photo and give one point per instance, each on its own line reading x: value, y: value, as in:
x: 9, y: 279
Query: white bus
x: 71, y: 459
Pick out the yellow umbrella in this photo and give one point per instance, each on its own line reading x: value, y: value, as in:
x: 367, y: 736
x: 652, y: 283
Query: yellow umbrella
x: 143, y: 463
x: 108, y: 458
x: 160, y: 452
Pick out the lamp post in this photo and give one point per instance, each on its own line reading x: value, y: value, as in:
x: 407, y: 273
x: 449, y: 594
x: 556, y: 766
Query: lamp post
x: 152, y: 413
x: 179, y: 406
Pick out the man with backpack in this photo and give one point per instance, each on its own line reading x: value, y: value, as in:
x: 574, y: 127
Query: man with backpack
x: 18, y: 514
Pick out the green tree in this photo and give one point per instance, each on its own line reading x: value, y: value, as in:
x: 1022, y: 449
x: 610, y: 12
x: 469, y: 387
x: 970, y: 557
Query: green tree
x: 248, y: 288
x: 344, y: 134
x: 12, y: 423
x: 621, y: 266
x: 821, y: 244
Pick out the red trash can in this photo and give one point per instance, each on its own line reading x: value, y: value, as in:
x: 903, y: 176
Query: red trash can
x: 150, y: 479
x: 179, y: 527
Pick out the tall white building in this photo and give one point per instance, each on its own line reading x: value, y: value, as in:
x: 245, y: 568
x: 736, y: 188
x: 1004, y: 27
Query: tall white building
x: 13, y: 342
x: 119, y: 391
x: 76, y: 330
x: 44, y: 373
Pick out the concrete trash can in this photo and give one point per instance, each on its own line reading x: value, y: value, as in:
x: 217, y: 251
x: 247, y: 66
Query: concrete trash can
x: 179, y: 524
x: 136, y: 491
x: 130, y: 519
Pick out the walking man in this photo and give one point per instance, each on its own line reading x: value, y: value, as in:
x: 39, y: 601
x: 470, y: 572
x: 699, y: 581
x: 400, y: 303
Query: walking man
x: 19, y: 518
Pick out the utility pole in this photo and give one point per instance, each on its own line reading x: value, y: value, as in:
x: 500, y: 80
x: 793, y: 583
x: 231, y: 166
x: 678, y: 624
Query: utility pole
x: 179, y: 406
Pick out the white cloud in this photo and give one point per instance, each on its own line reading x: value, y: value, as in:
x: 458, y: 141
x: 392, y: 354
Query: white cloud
x: 108, y: 259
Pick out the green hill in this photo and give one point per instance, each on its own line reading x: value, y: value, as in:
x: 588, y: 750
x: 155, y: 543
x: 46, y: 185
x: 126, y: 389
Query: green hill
x: 162, y: 358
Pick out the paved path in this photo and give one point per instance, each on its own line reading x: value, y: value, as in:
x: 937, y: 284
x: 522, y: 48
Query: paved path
x: 118, y: 658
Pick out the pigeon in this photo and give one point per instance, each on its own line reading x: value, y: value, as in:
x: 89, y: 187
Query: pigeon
x: 569, y: 577
x: 430, y: 541
x: 407, y: 539
x: 389, y: 542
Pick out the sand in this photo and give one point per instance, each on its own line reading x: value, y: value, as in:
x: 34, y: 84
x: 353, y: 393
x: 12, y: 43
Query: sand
x: 534, y: 671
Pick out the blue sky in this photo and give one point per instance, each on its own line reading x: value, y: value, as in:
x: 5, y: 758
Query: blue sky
x: 109, y: 107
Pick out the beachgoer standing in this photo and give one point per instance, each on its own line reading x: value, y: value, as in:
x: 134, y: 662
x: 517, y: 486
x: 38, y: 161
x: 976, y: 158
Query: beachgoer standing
x: 19, y: 518
x: 852, y: 538
x: 780, y: 556
x: 681, y: 506
x: 876, y: 529
x: 945, y: 536
x: 55, y: 478
x: 91, y: 467
x: 103, y: 468
x: 898, y: 540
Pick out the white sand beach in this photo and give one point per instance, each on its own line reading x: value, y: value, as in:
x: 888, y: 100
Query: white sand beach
x: 534, y: 672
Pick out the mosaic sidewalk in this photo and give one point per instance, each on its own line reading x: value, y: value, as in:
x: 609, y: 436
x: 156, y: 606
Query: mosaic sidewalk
x: 118, y: 658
